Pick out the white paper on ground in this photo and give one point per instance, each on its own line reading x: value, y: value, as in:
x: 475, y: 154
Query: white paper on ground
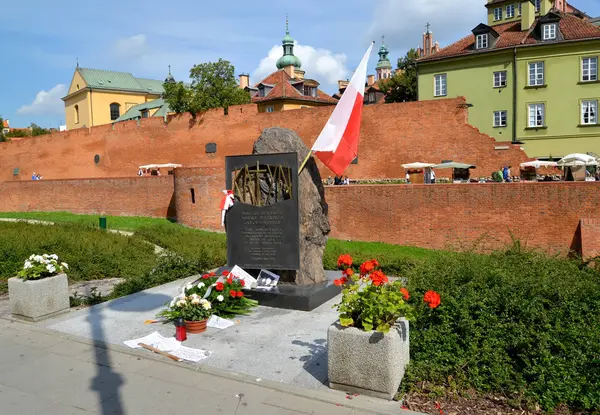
x: 150, y: 339
x: 219, y: 323
x: 193, y: 355
x: 249, y: 280
x: 167, y: 345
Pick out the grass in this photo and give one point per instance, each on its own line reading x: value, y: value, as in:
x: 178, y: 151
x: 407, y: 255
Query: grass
x: 124, y: 223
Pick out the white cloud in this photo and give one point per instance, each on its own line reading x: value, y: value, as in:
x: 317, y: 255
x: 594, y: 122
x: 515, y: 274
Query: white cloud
x: 322, y: 65
x: 131, y: 47
x: 403, y: 22
x: 46, y: 102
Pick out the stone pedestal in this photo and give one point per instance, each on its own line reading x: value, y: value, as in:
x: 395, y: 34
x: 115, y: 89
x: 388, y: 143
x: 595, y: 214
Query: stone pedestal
x: 35, y: 300
x: 368, y: 363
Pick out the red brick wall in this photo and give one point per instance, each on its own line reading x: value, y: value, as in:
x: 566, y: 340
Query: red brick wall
x: 391, y: 135
x: 463, y: 216
x: 207, y: 184
x: 145, y: 196
x: 590, y: 238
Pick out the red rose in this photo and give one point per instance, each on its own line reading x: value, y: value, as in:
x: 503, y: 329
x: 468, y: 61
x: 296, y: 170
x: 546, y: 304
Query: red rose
x: 225, y: 273
x: 348, y: 272
x: 366, y: 267
x: 240, y: 294
x: 338, y: 283
x: 432, y: 299
x: 405, y: 293
x: 242, y: 283
x: 344, y: 260
x: 378, y: 278
x: 233, y: 293
x: 220, y: 286
x: 229, y: 280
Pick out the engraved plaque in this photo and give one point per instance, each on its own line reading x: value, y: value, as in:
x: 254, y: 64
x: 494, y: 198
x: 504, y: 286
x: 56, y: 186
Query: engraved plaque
x: 263, y: 226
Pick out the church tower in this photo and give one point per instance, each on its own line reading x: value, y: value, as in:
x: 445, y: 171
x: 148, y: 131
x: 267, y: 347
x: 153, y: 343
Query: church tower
x: 384, y: 67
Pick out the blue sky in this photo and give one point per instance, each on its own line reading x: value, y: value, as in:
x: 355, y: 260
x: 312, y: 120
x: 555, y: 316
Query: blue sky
x: 41, y: 41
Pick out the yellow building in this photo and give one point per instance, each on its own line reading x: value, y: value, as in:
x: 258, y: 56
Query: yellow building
x: 99, y: 97
x: 286, y: 88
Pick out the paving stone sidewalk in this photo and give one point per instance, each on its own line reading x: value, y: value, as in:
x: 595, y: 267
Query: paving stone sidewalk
x: 46, y: 372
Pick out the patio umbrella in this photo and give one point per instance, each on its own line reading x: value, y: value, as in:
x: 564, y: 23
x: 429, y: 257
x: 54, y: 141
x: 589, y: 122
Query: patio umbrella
x: 453, y: 165
x: 577, y: 159
x: 539, y: 163
x: 417, y: 165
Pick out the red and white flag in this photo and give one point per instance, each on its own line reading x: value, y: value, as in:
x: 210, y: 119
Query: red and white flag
x: 337, y: 145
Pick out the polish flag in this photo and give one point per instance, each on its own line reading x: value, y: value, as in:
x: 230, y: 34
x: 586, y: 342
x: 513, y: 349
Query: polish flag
x: 337, y: 145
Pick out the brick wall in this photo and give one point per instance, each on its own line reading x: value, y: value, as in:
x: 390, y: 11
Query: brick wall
x: 391, y: 135
x: 203, y: 211
x: 146, y: 196
x: 589, y: 229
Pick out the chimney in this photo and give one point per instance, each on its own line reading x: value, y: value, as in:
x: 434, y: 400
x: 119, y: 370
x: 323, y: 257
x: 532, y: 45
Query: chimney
x: 244, y: 80
x: 342, y: 84
x: 290, y: 70
x: 370, y: 80
x: 545, y: 6
x: 527, y: 15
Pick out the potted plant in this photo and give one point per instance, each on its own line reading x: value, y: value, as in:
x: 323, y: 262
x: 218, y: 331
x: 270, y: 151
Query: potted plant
x: 211, y: 294
x: 368, y: 348
x: 40, y: 290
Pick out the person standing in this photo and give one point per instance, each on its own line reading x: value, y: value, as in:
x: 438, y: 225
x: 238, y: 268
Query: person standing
x: 432, y: 177
x: 34, y: 176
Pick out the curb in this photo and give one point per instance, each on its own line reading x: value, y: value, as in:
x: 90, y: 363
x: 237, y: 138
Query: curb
x: 297, y: 391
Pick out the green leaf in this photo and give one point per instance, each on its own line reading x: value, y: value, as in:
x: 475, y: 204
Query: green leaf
x: 346, y: 322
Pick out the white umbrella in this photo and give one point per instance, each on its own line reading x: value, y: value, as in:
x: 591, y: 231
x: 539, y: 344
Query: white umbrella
x: 539, y: 163
x: 577, y: 159
x: 417, y: 165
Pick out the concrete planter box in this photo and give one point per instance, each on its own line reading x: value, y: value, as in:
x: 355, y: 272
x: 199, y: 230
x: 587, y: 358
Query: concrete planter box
x: 35, y: 300
x: 368, y: 363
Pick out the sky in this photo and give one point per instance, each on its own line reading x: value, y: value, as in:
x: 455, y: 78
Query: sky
x: 42, y: 41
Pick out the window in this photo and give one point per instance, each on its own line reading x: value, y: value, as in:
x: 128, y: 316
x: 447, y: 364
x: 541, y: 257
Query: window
x: 549, y: 31
x: 262, y: 91
x: 440, y: 85
x: 115, y: 111
x: 76, y: 114
x: 536, y: 73
x: 482, y: 41
x: 520, y: 10
x: 499, y: 79
x: 145, y: 114
x: 371, y: 96
x: 510, y: 11
x: 538, y: 5
x: 536, y: 115
x: 499, y: 118
x: 589, y: 69
x: 589, y: 112
x: 270, y: 108
x: 78, y: 87
x: 310, y: 91
x: 498, y: 13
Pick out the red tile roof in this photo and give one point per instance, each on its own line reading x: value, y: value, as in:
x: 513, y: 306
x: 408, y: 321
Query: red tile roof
x: 283, y: 89
x: 510, y: 35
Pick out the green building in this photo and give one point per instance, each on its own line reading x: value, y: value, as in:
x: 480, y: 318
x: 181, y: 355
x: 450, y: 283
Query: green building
x: 530, y: 76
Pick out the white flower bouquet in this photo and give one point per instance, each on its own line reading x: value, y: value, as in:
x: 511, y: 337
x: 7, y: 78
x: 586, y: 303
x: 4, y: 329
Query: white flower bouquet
x: 42, y: 266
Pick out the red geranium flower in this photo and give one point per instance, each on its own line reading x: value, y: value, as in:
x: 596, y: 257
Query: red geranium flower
x: 344, y: 260
x: 240, y: 294
x: 378, y: 278
x: 229, y: 280
x: 225, y: 273
x: 206, y: 276
x: 220, y: 286
x: 432, y: 299
x: 375, y: 262
x: 348, y: 272
x: 338, y: 283
x: 242, y: 283
x: 233, y: 293
x: 344, y: 280
x: 366, y: 267
x: 212, y: 274
x: 405, y: 293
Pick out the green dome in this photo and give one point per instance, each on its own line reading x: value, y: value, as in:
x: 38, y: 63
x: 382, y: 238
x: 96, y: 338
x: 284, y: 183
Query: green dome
x: 287, y: 60
x: 384, y: 62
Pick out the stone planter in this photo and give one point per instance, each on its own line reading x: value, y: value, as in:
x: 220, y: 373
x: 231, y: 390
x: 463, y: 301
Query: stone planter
x: 368, y: 363
x: 35, y: 300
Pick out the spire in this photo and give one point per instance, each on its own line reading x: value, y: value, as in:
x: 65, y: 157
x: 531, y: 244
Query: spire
x: 384, y: 67
x: 169, y: 79
x: 77, y: 60
x: 288, y: 57
x: 287, y: 25
x: 427, y: 26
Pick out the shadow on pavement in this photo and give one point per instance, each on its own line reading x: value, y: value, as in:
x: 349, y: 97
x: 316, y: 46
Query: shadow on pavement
x: 317, y: 357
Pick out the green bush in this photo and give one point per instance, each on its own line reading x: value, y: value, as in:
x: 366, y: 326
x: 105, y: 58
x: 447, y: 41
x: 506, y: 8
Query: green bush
x: 518, y: 323
x: 90, y: 253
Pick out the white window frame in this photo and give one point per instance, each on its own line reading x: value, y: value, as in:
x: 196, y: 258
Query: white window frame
x: 591, y: 72
x: 532, y: 121
x: 500, y: 118
x: 519, y: 10
x: 497, y: 14
x: 510, y: 11
x: 270, y: 109
x: 549, y: 31
x: 538, y: 69
x: 589, y: 104
x: 482, y: 41
x: 500, y: 76
x: 443, y: 85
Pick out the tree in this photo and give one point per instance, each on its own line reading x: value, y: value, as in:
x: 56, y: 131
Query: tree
x: 37, y: 130
x: 213, y: 86
x: 2, y: 138
x: 402, y: 86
